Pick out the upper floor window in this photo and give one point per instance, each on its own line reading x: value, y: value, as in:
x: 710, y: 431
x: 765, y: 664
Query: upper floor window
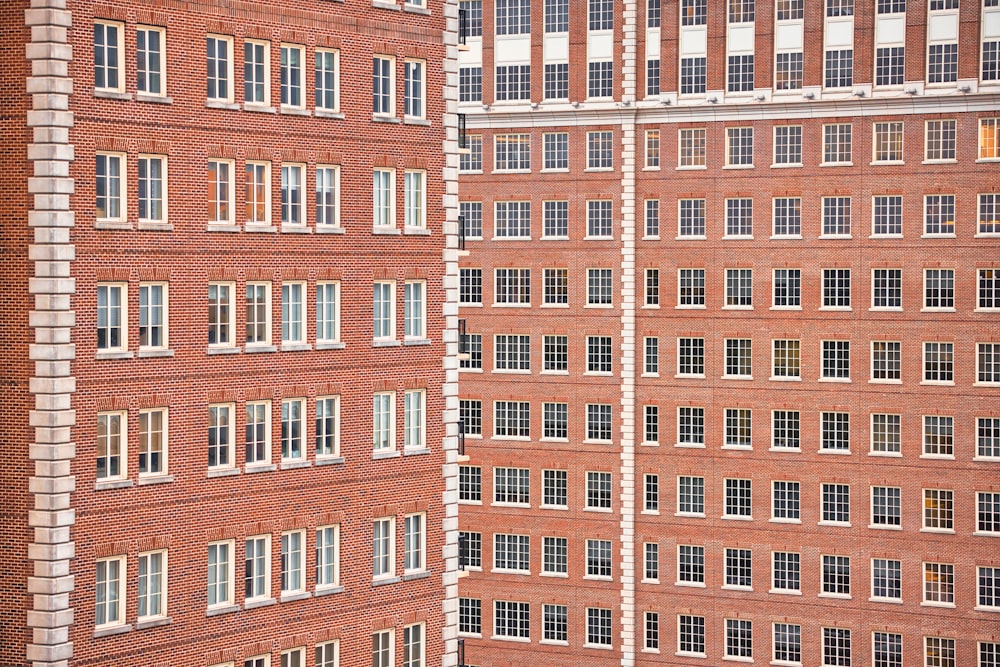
x: 292, y: 79
x: 383, y: 85
x: 413, y: 88
x: 219, y: 54
x: 513, y: 17
x: 327, y: 79
x: 601, y: 15
x: 109, y: 56
x: 694, y: 12
x: 741, y: 11
x: 556, y: 16
x: 150, y: 61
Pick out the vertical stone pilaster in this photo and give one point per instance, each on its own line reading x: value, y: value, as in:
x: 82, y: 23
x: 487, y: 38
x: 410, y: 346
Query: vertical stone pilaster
x: 52, y: 319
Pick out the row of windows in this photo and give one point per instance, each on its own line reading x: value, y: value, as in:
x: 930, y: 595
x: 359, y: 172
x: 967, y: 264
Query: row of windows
x: 258, y: 80
x: 512, y: 152
x: 512, y: 620
x: 298, y: 201
x: 113, y: 439
x: 113, y: 336
x: 512, y: 352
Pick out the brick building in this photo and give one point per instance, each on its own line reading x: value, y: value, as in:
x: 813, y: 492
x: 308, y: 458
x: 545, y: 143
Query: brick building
x: 730, y: 379
x: 229, y: 231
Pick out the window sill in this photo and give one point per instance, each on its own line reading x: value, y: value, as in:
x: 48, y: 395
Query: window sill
x: 734, y: 587
x: 329, y: 460
x: 786, y: 165
x: 331, y: 346
x: 597, y: 577
x: 550, y: 372
x: 222, y: 472
x: 691, y: 237
x: 788, y: 521
x: 689, y: 654
x: 602, y: 647
x: 416, y: 231
x: 874, y: 526
x: 386, y: 5
x: 687, y: 584
x: 114, y: 630
x: 416, y: 451
x: 222, y: 227
x: 554, y: 305
x: 223, y: 350
x: 783, y: 591
x: 114, y: 355
x: 416, y: 10
x: 225, y: 609
x: 734, y: 517
x: 386, y: 231
x: 153, y: 226
x: 155, y: 479
x: 737, y: 307
x: 120, y: 225
x: 566, y: 507
x: 379, y: 118
x: 941, y: 383
x: 520, y: 640
x: 886, y: 600
x: 598, y: 510
x: 554, y: 575
x: 888, y: 455
x: 287, y: 228
x: 941, y: 605
x: 691, y: 515
x: 391, y: 454
x: 835, y: 380
x: 254, y: 349
x: 939, y: 310
x: 259, y: 467
x: 295, y: 347
x: 794, y: 450
x: 736, y: 377
x: 733, y: 658
x: 784, y: 378
x: 292, y: 465
x: 154, y: 99
x: 836, y: 524
x: 258, y: 108
x: 743, y: 448
x: 385, y: 581
x: 412, y: 576
x: 113, y: 484
x: 263, y: 602
x: 219, y: 104
x: 386, y: 343
x: 878, y: 381
x: 153, y: 622
x: 112, y: 94
x: 592, y: 441
x: 690, y: 445
x: 259, y: 229
x: 834, y: 452
x: 422, y: 122
x: 938, y: 457
x: 294, y: 111
x: 835, y: 596
x: 835, y: 309
x: 325, y: 113
x: 836, y: 164
x: 944, y: 235
x: 511, y: 305
x: 647, y: 443
x: 938, y: 531
x: 152, y: 354
x: 737, y: 166
x: 835, y: 237
x: 551, y: 642
x: 416, y: 342
x: 692, y: 167
x: 295, y: 595
x: 327, y: 590
x: 885, y: 163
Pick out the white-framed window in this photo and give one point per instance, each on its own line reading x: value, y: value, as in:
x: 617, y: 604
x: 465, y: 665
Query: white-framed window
x: 939, y: 289
x: 109, y: 592
x: 414, y: 88
x: 887, y: 141
x: 219, y: 59
x: 739, y: 144
x: 886, y: 361
x: 554, y: 488
x: 512, y: 152
x: 835, y: 360
x: 939, y: 510
x: 738, y: 429
x: 257, y: 568
x: 220, y: 436
x: 989, y: 654
x: 650, y: 425
x: 471, y: 415
x: 599, y: 223
x: 691, y: 356
x: 691, y: 218
x: 989, y: 214
x: 295, y: 657
x: 599, y: 354
x: 512, y: 83
x: 470, y: 484
x: 327, y: 426
x: 738, y: 499
x: 939, y: 652
x: 886, y: 507
x: 293, y: 58
x: 988, y: 363
x: 939, y: 436
x: 221, y: 189
x: 739, y: 218
x: 471, y: 216
x: 787, y: 644
x: 328, y: 311
x: 939, y: 584
x: 836, y: 217
x: 836, y: 578
x: 691, y: 147
x: 690, y: 426
x: 651, y: 355
x: 470, y: 616
x: 555, y: 153
x: 651, y: 562
x: 112, y: 317
x: 740, y: 73
x: 887, y: 578
x: 599, y: 427
x: 511, y: 486
x: 110, y: 186
x: 885, y: 434
x: 786, y: 575
x: 555, y: 287
x: 555, y: 354
x: 109, y: 56
x: 989, y: 588
x: 384, y: 309
x: 837, y: 143
x: 511, y: 553
x: 258, y: 432
x: 786, y: 289
x: 293, y: 313
x: 258, y: 313
x: 414, y: 419
x: 152, y: 194
x: 835, y: 431
x: 836, y: 646
x: 691, y: 495
x: 598, y: 627
x: 785, y: 501
x: 413, y: 638
x: 153, y: 439
x: 691, y: 288
x: 112, y: 446
x: 556, y: 16
x: 939, y: 362
x: 293, y: 429
x: 415, y: 199
x: 787, y: 217
x: 151, y: 589
x: 691, y: 635
x: 555, y: 81
x: 470, y: 286
x: 384, y: 648
x: 788, y: 145
x: 258, y: 193
x: 835, y: 501
x: 693, y: 75
x: 384, y: 421
x: 691, y: 564
x: 989, y: 133
x: 511, y: 620
x: 327, y: 560
x: 739, y: 638
x: 739, y: 288
x: 988, y: 437
x: 887, y: 215
x: 327, y: 196
x: 327, y: 80
x: 512, y: 419
x: 738, y: 358
x: 383, y: 85
x: 220, y: 574
x: 839, y: 68
x: 785, y: 429
x: 513, y: 17
x: 555, y: 219
x: 988, y: 289
x: 598, y: 490
x: 414, y: 543
x: 257, y: 72
x: 512, y: 286
x: 293, y: 200
x: 836, y: 288
x: 887, y: 289
x: 383, y: 547
x: 939, y: 215
x: 599, y: 287
x: 470, y: 84
x: 293, y: 561
x: 384, y: 198
x: 599, y: 558
x: 599, y: 150
x: 738, y: 569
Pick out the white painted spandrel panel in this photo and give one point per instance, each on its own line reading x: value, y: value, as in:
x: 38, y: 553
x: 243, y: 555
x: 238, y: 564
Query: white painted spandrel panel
x: 840, y: 34
x: 600, y: 46
x: 694, y: 42
x: 471, y: 56
x: 890, y: 30
x: 512, y: 50
x: 788, y: 37
x: 942, y: 28
x: 555, y: 48
x: 740, y: 39
x: 991, y: 24
x: 652, y: 43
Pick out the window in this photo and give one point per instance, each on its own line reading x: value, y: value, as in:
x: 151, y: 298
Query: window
x: 555, y: 153
x: 599, y: 422
x: 988, y: 437
x: 691, y: 495
x: 836, y: 360
x: 599, y: 218
x: 109, y: 56
x: 471, y: 160
x: 220, y: 68
x: 651, y: 355
x: 554, y: 555
x: 293, y: 313
x: 939, y: 289
x: 787, y: 643
x: 510, y: 485
x: 220, y: 436
x: 257, y: 72
x: 989, y: 289
x: 510, y: 552
x: 835, y: 431
x: 887, y: 216
x: 414, y: 307
x: 836, y: 288
x: 693, y: 75
x: 413, y: 645
x: 739, y: 217
x: 785, y: 429
x: 991, y: 60
x: 470, y: 616
x: 740, y: 77
x: 651, y: 424
x: 788, y: 144
x: 691, y: 218
x: 598, y: 354
x: 988, y: 515
x: 384, y: 307
x: 938, y: 436
x: 220, y: 574
x: 989, y: 214
x: 295, y: 657
x: 384, y: 421
x: 414, y: 542
x: 327, y: 312
x: 837, y: 144
x: 741, y: 11
x: 738, y: 499
x: 555, y: 354
x: 989, y: 654
x: 598, y: 627
x: 599, y: 287
x: 413, y: 88
x: 938, y: 510
x: 599, y: 150
x: 888, y: 649
x: 327, y: 556
x: 555, y: 287
x: 939, y: 141
x: 152, y: 442
x: 651, y: 635
x: 738, y: 568
x: 939, y: 362
x: 652, y: 77
x: 889, y: 66
x: 739, y: 288
x: 739, y: 638
x: 600, y: 79
x: 327, y: 196
x: 152, y: 188
x: 739, y: 145
x: 327, y: 80
x: 470, y: 290
x: 554, y: 486
x: 511, y: 419
x: 839, y: 70
x: 555, y: 421
x: 258, y: 193
x: 471, y: 414
x: 512, y: 83
x: 785, y: 501
x: 939, y: 652
x: 988, y: 366
x: 788, y: 71
x: 109, y: 603
x: 989, y: 587
x: 691, y: 147
x: 554, y: 625
x: 470, y: 484
x: 152, y: 585
x: 220, y: 191
x: 785, y: 571
x: 885, y: 506
x: 691, y: 635
x: 888, y: 142
x: 690, y: 427
x: 738, y: 356
x: 555, y: 82
x: 690, y: 564
x: 383, y: 85
x: 787, y: 288
x: 470, y: 84
x: 292, y: 77
x: 109, y: 183
x: 837, y: 216
x: 694, y: 12
x: 513, y: 17
x: 886, y: 579
x: 887, y: 288
x: 112, y: 320
x: 651, y: 493
x: 512, y: 287
x: 691, y: 287
x: 555, y: 219
x: 599, y: 558
x: 383, y: 547
x: 942, y: 63
x: 598, y: 490
x: 511, y: 619
x: 471, y: 214
x: 939, y: 583
x: 652, y: 228
x: 414, y: 428
x: 651, y: 562
x: 384, y: 648
x: 989, y: 137
x: 292, y: 429
x: 885, y: 434
x: 257, y: 568
x: 293, y: 194
x: 836, y: 503
x: 512, y: 219
x: 600, y: 15
x: 836, y: 646
x: 837, y: 575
